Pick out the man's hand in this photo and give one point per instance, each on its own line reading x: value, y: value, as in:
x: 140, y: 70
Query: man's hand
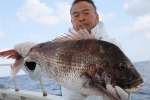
x: 118, y: 92
x: 24, y: 48
x: 33, y: 69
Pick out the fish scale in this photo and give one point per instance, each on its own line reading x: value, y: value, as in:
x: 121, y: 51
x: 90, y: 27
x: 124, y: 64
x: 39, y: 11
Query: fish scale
x: 82, y: 64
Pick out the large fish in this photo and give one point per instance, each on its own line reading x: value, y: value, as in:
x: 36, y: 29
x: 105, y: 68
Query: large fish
x: 81, y: 63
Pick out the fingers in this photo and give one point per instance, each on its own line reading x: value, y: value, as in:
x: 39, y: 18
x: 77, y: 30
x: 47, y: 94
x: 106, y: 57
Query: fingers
x: 24, y: 48
x: 118, y: 92
x: 123, y: 95
x: 17, y: 48
x: 28, y: 46
x: 112, y: 90
x: 27, y: 59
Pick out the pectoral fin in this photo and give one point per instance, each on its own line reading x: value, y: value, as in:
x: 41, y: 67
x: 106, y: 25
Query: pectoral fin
x: 17, y: 66
x: 97, y: 86
x: 97, y: 89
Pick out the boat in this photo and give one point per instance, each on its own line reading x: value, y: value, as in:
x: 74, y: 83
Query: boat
x: 16, y: 94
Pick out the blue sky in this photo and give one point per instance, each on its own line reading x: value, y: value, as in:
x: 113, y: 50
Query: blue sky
x: 42, y: 20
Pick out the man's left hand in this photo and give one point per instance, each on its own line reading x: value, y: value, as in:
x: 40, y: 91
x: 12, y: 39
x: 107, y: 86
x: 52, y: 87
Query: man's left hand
x: 118, y: 92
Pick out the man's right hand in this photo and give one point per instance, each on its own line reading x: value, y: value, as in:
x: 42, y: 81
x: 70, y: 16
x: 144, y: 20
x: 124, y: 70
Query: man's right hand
x: 30, y: 67
x: 24, y: 48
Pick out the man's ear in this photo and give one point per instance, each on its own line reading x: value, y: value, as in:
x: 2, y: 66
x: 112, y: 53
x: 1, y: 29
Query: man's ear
x: 71, y: 20
x: 97, y: 16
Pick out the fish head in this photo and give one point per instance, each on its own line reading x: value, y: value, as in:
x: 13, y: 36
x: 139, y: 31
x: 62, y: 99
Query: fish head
x: 120, y: 71
x: 40, y: 52
x: 42, y: 47
x: 126, y: 76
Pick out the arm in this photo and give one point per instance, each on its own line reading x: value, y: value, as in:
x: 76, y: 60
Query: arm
x: 30, y: 67
x: 100, y: 33
x: 71, y: 95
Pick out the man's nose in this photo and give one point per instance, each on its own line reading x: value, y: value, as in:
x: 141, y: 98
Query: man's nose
x: 81, y: 18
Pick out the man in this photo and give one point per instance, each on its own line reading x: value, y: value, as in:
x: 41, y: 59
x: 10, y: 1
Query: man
x: 83, y: 14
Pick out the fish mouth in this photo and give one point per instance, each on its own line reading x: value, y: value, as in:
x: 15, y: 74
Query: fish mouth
x: 133, y: 90
x: 135, y: 87
x: 137, y: 82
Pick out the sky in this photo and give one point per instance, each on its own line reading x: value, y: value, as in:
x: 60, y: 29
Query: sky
x: 42, y: 20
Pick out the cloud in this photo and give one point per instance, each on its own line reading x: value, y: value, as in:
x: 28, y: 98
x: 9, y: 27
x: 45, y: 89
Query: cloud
x: 4, y: 60
x: 3, y: 49
x: 137, y: 8
x: 140, y: 10
x: 63, y: 11
x: 148, y: 35
x: 38, y: 13
x: 34, y: 36
x: 107, y: 16
x: 140, y: 25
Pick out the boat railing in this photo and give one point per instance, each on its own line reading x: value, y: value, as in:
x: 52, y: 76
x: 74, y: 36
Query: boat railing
x: 15, y: 83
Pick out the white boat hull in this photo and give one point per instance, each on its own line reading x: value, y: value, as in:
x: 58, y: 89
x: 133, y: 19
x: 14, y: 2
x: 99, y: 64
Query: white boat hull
x: 10, y: 94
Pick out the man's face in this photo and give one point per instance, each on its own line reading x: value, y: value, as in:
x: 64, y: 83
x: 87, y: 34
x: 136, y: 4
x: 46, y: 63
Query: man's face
x: 83, y: 15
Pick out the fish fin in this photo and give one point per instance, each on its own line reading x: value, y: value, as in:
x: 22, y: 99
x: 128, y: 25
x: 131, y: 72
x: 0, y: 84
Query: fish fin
x: 82, y: 34
x: 18, y: 62
x: 94, y: 84
x: 17, y: 66
x: 10, y: 54
x: 99, y: 90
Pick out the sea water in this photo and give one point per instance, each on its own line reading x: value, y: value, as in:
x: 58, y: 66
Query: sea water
x: 52, y: 87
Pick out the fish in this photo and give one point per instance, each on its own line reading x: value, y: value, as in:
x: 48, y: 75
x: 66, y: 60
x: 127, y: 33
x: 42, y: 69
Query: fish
x: 82, y: 63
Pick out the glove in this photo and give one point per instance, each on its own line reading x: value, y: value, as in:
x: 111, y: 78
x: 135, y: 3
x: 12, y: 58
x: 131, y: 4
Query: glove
x: 31, y: 68
x: 24, y: 48
x: 118, y: 92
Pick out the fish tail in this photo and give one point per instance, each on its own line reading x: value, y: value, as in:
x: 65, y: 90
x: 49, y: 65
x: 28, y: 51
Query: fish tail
x: 19, y: 62
x: 10, y: 54
x: 17, y: 66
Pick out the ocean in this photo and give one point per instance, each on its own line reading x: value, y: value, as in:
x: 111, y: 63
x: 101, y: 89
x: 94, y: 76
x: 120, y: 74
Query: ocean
x: 52, y: 87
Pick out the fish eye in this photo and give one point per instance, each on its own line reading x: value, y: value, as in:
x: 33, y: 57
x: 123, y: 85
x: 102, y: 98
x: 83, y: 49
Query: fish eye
x: 41, y: 45
x: 122, y: 66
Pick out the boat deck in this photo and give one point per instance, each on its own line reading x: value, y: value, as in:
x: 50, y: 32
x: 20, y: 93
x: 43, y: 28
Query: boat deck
x: 16, y: 94
x: 11, y: 94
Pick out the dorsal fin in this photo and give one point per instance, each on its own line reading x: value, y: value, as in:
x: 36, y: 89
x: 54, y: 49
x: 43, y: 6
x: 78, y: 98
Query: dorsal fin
x: 82, y: 34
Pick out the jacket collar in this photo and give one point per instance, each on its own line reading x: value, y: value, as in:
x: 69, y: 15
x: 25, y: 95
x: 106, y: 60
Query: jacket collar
x: 99, y: 30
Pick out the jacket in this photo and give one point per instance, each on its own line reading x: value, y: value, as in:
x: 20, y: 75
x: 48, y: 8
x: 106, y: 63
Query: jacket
x: 100, y: 33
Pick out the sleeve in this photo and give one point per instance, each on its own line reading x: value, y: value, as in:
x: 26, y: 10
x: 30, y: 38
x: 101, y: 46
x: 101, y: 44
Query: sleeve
x: 33, y: 70
x: 71, y: 95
